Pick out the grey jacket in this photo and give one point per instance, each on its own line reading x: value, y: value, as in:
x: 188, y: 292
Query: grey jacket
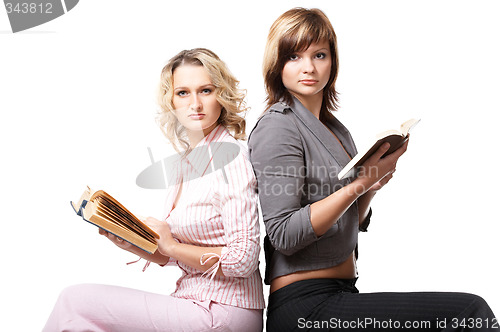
x: 296, y: 160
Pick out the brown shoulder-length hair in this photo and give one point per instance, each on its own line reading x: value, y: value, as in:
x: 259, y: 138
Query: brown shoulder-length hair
x: 294, y: 31
x: 228, y: 94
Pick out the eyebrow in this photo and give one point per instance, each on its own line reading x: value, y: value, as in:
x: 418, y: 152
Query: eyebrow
x: 204, y: 86
x: 315, y: 51
x: 322, y: 49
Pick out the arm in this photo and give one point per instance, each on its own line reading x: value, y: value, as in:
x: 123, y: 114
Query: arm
x: 364, y: 210
x: 374, y: 174
x: 157, y: 257
x: 364, y: 201
x: 277, y: 155
x: 237, y: 201
x: 169, y: 247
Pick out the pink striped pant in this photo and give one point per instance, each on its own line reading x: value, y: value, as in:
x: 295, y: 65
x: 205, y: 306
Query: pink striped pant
x: 90, y: 307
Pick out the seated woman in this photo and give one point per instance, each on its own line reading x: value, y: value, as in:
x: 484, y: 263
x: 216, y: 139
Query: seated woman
x: 312, y: 219
x: 211, y: 231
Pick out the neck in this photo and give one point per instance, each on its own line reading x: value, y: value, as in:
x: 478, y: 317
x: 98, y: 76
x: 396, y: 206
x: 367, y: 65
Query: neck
x: 312, y: 103
x: 195, y: 136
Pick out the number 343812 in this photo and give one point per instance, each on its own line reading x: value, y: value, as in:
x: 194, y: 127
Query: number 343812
x: 29, y: 8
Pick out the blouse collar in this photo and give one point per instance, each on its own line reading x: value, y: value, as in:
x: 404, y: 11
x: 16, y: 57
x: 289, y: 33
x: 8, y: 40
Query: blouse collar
x: 201, y: 157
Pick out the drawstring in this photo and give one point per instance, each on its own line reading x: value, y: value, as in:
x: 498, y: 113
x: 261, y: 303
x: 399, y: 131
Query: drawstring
x: 145, y: 266
x: 212, y: 271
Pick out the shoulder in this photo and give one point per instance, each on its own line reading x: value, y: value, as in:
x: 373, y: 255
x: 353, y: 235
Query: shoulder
x: 277, y: 112
x: 277, y: 133
x: 277, y: 122
x: 229, y: 150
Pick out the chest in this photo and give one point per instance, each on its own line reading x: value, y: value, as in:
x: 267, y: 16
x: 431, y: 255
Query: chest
x: 196, y: 215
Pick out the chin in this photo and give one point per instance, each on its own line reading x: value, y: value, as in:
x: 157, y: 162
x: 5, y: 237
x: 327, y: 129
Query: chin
x: 200, y: 126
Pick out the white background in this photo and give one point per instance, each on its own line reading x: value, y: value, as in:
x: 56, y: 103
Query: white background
x: 77, y: 103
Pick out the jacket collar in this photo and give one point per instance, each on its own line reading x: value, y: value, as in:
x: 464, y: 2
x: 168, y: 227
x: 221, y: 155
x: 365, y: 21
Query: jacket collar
x: 321, y: 132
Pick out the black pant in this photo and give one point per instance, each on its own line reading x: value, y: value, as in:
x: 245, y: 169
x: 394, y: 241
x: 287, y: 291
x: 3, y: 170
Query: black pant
x: 336, y: 304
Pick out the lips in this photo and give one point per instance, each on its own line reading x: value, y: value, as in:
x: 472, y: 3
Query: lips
x: 308, y: 82
x: 197, y: 116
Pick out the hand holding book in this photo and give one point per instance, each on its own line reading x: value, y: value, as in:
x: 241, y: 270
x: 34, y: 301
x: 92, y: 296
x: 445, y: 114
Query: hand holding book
x: 156, y: 257
x: 396, y: 138
x: 101, y: 209
x: 378, y: 170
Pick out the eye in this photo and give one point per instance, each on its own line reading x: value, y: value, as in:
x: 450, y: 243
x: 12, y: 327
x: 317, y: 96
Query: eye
x: 293, y: 57
x: 182, y: 93
x: 321, y: 55
x: 206, y: 91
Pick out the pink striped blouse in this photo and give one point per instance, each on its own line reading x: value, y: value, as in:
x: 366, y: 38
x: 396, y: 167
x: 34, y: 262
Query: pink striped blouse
x: 218, y: 207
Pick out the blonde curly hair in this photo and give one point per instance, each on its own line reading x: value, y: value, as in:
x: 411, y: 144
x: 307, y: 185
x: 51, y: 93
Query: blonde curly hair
x: 229, y: 96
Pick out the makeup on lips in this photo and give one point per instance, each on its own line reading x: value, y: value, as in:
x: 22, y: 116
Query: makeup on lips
x: 197, y: 116
x: 308, y: 81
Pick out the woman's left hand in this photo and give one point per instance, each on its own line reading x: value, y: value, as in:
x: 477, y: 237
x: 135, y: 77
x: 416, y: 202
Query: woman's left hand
x: 166, y: 241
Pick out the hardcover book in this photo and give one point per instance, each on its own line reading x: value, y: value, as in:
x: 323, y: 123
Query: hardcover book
x: 101, y: 209
x: 395, y: 137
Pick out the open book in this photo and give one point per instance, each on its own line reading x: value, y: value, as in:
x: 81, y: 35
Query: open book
x: 102, y: 210
x: 395, y: 137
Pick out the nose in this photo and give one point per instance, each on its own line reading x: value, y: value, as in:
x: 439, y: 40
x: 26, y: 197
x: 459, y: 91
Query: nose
x: 307, y: 65
x: 196, y: 104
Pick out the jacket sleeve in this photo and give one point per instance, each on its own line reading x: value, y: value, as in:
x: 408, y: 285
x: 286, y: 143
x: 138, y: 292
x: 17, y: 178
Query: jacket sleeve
x: 277, y: 156
x: 236, y: 195
x: 363, y: 227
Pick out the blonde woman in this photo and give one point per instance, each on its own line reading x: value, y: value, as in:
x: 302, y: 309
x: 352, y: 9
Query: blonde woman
x: 211, y: 229
x: 312, y: 219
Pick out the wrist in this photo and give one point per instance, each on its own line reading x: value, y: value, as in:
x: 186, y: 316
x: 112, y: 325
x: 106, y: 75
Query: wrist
x: 170, y: 248
x: 370, y: 193
x: 160, y: 258
x: 360, y: 186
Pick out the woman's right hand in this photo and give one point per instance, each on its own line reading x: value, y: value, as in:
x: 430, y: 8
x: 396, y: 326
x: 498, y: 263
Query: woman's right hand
x: 156, y: 257
x: 116, y: 240
x: 376, y: 172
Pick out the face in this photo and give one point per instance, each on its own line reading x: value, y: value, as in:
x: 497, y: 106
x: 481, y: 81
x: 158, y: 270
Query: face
x: 306, y: 73
x: 194, y: 99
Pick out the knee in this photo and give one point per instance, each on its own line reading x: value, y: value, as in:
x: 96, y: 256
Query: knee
x: 72, y: 292
x: 477, y: 300
x: 73, y: 298
x: 477, y: 306
x: 72, y: 309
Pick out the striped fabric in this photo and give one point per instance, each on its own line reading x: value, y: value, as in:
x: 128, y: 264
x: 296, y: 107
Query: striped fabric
x: 218, y: 207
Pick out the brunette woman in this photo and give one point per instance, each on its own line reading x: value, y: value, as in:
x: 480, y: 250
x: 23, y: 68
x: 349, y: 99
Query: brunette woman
x: 312, y: 218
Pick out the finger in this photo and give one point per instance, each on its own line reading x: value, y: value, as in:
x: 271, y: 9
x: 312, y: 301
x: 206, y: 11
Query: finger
x: 385, y: 179
x: 402, y: 149
x: 399, y: 152
x: 112, y: 237
x: 381, y: 150
x: 382, y: 182
x: 103, y: 232
x: 152, y: 220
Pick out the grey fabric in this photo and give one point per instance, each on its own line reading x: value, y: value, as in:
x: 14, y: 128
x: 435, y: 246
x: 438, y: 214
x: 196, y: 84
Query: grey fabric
x: 296, y: 160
